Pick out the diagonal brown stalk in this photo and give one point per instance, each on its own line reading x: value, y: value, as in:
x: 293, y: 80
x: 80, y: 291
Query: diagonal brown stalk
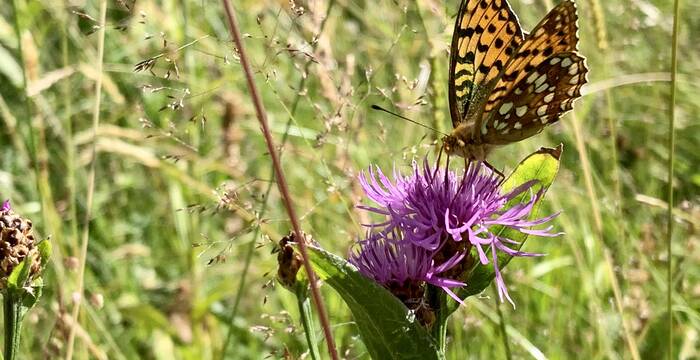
x: 279, y: 175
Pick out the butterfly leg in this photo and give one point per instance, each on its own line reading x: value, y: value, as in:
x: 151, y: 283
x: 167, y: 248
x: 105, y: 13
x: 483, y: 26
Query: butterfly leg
x: 493, y: 168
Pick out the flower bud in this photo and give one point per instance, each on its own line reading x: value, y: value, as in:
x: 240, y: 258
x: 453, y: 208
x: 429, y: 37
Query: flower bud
x: 16, y: 243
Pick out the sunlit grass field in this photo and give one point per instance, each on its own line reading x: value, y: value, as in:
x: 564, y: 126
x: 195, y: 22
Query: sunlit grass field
x: 184, y: 207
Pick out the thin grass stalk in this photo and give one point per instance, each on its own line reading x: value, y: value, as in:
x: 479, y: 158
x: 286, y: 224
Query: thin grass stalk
x: 281, y: 180
x: 671, y: 158
x: 37, y: 150
x: 263, y: 209
x: 194, y: 272
x: 609, y: 262
x: 90, y: 183
x: 28, y: 121
x: 587, y: 176
x: 602, y: 44
x: 629, y: 337
x: 502, y: 325
x: 435, y: 85
x: 70, y: 145
x: 601, y: 33
x: 241, y: 285
x: 588, y: 180
x: 614, y: 167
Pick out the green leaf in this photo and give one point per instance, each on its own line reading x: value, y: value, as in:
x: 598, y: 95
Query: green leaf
x: 388, y: 329
x: 45, y: 251
x: 20, y: 274
x: 541, y: 166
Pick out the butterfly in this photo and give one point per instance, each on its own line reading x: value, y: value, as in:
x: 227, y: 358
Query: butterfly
x: 506, y: 85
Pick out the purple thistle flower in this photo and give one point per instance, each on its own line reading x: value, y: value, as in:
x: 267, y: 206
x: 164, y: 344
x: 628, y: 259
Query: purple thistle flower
x: 6, y: 205
x: 432, y: 206
x: 401, y: 266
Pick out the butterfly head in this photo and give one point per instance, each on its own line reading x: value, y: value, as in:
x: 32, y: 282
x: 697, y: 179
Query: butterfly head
x: 454, y: 145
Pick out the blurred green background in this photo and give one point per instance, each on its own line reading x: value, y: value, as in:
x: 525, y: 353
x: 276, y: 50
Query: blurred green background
x: 182, y: 174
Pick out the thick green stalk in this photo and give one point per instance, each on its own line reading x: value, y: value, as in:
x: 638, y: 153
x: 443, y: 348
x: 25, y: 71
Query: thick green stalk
x: 438, y: 301
x: 12, y: 307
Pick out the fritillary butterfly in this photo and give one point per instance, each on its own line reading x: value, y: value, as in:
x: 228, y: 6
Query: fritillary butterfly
x: 507, y: 85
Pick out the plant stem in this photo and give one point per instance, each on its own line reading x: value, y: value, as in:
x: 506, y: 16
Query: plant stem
x: 281, y: 180
x: 12, y: 307
x: 440, y: 330
x: 671, y: 150
x: 307, y: 320
x: 90, y: 181
x: 437, y: 300
x: 502, y: 325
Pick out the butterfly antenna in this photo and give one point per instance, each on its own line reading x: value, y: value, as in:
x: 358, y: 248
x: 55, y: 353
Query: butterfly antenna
x: 377, y: 107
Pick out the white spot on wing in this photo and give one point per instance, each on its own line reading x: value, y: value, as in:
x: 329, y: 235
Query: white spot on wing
x: 521, y: 110
x: 574, y: 80
x: 554, y: 61
x: 518, y: 125
x: 542, y: 110
x: 573, y: 69
x: 540, y: 80
x: 566, y: 62
x: 505, y: 108
x: 549, y: 97
x: 530, y: 79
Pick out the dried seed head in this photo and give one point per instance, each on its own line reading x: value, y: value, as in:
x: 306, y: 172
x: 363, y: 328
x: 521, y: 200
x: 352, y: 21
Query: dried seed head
x: 16, y: 243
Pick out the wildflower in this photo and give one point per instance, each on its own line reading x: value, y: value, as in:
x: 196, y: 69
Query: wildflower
x: 16, y: 243
x: 402, y: 267
x: 447, y: 214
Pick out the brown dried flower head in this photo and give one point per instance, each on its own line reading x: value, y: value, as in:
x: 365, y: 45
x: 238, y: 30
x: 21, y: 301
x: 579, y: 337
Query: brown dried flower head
x: 16, y: 243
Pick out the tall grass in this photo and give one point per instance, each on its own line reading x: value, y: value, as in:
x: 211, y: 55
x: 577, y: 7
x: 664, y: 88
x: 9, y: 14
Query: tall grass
x: 671, y: 159
x: 85, y: 234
